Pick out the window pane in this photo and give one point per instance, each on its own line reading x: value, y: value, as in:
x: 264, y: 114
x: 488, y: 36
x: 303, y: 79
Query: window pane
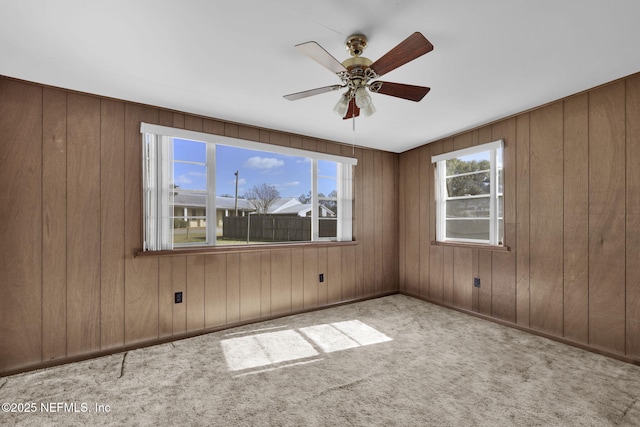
x: 187, y: 176
x: 468, y: 208
x: 274, y: 196
x: 189, y: 230
x: 475, y: 229
x: 190, y: 151
x: 328, y: 219
x: 469, y: 185
x: 328, y: 227
x: 466, y: 164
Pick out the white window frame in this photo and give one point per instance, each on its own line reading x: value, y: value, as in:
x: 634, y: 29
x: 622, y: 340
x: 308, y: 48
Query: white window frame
x: 157, y: 172
x: 442, y: 194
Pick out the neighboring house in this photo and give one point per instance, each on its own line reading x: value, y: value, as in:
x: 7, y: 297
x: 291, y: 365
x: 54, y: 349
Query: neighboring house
x: 191, y: 207
x: 293, y: 206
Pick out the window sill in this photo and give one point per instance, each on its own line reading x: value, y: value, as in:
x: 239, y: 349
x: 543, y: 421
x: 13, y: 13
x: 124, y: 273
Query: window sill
x: 472, y: 246
x: 204, y: 250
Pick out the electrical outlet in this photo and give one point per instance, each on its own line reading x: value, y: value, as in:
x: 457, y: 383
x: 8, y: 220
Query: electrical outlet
x: 178, y: 297
x: 476, y: 282
x: 321, y: 277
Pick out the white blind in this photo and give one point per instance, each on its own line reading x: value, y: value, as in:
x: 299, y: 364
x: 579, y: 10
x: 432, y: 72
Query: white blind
x: 158, y: 197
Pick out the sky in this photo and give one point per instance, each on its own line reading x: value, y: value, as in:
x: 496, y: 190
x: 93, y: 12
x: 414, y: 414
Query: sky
x: 290, y: 174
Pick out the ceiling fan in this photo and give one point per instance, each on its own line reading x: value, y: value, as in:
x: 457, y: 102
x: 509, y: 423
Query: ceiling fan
x: 358, y: 73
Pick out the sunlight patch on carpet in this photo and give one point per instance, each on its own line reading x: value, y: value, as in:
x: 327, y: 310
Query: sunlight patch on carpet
x: 265, y: 349
x: 271, y: 348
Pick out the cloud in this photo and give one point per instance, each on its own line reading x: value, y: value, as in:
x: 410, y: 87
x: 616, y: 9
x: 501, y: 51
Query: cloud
x: 183, y: 179
x: 186, y: 178
x: 263, y: 163
x: 291, y: 184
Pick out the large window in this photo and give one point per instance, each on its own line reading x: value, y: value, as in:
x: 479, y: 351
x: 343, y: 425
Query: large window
x: 204, y: 190
x: 469, y: 195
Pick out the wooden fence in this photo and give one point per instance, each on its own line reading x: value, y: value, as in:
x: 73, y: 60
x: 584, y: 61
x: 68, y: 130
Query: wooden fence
x: 274, y: 228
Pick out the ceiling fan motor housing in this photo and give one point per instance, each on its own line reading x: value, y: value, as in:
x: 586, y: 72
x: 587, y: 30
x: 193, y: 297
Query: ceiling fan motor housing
x: 356, y: 44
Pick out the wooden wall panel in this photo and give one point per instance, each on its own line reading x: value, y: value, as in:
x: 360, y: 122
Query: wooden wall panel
x: 349, y: 256
x: 83, y: 224
x: 546, y: 218
x: 233, y: 288
x: 281, y: 282
x: 195, y: 292
x: 334, y: 275
x: 485, y: 290
x: 389, y: 219
x: 462, y: 278
x: 378, y: 221
x: 412, y: 221
x: 179, y: 284
x: 310, y: 277
x: 402, y: 222
x: 424, y: 215
x: 607, y: 217
x: 21, y: 219
x: 215, y: 290
x: 165, y: 297
x: 297, y: 280
x: 632, y: 246
x: 265, y: 284
x: 250, y: 286
x: 321, y: 267
x: 448, y: 263
x: 366, y: 212
x: 54, y: 224
x: 576, y: 218
x: 522, y: 220
x: 112, y: 213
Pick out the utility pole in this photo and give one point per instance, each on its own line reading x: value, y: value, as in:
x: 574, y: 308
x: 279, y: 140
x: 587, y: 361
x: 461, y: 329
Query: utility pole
x: 236, y: 174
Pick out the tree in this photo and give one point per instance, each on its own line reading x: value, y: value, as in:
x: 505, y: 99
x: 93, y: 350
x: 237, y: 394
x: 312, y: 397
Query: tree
x: 332, y: 205
x: 262, y: 197
x: 305, y: 198
x: 467, y: 185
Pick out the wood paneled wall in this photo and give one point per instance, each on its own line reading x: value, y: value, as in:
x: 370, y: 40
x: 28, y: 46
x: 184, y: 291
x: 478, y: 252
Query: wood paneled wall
x: 70, y: 212
x: 572, y: 222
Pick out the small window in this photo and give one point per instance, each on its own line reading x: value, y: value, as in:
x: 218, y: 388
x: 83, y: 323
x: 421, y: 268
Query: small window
x: 206, y: 190
x: 469, y: 195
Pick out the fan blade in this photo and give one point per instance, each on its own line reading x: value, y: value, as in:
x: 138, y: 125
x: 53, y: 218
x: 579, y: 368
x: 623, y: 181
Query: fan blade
x: 353, y: 110
x: 399, y: 90
x: 307, y: 93
x: 316, y: 52
x: 411, y: 48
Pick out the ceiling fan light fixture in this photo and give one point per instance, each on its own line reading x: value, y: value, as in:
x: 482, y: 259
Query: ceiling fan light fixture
x: 341, y: 106
x: 363, y: 100
x: 369, y: 110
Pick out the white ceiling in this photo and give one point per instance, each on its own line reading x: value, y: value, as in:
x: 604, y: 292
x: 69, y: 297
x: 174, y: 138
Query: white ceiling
x: 233, y: 60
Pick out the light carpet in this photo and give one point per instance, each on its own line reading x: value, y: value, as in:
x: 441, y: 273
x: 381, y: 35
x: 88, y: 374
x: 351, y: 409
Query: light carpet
x: 392, y: 361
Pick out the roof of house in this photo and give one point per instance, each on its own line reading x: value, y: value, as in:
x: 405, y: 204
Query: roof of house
x: 198, y: 200
x: 282, y: 206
